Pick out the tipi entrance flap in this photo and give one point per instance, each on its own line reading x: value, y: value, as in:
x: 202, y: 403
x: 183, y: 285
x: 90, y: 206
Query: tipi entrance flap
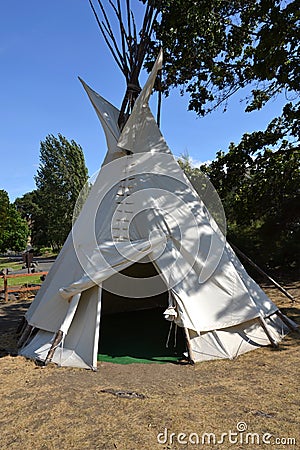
x: 83, y: 333
x: 79, y: 345
x: 73, y: 303
x: 111, y: 258
x: 48, y: 309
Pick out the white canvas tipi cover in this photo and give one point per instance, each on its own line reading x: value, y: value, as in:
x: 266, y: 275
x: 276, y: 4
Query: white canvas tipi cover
x: 142, y: 206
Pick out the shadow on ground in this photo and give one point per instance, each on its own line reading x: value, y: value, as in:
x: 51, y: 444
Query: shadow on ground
x: 10, y: 317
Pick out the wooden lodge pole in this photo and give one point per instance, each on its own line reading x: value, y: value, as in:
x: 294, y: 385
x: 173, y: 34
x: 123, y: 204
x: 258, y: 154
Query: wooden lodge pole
x: 264, y: 327
x: 287, y: 322
x: 189, y: 346
x: 55, y: 344
x: 262, y: 272
x: 5, y: 286
x: 25, y: 335
x: 21, y: 326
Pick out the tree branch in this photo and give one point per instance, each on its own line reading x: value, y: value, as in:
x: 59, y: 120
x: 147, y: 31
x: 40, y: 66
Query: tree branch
x: 105, y: 37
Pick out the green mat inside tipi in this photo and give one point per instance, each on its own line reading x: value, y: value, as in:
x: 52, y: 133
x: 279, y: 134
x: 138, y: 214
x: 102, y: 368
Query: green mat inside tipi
x: 139, y: 337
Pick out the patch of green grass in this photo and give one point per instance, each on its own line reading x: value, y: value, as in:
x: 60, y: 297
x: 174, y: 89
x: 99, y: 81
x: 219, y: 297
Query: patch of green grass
x: 19, y: 281
x: 6, y: 262
x: 47, y: 252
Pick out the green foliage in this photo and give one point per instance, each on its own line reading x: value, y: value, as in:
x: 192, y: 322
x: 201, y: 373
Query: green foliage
x: 212, y: 49
x: 20, y: 281
x: 4, y: 207
x: 60, y: 178
x: 7, y: 262
x: 31, y: 208
x: 45, y: 250
x: 27, y: 205
x: 61, y: 175
x: 261, y: 198
x: 13, y: 229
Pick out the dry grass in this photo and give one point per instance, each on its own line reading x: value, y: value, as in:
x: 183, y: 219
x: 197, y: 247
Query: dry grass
x: 64, y: 408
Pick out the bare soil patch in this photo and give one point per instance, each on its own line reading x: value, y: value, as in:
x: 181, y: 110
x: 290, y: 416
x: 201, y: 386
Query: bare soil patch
x: 64, y: 408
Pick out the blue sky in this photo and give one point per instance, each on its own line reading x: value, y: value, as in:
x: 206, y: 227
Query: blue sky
x: 44, y: 47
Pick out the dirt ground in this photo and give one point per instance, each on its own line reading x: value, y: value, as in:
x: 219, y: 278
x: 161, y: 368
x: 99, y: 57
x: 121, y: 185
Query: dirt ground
x: 241, y: 402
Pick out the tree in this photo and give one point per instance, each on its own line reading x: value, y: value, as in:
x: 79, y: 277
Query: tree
x: 32, y: 211
x: 214, y: 48
x: 261, y: 198
x: 4, y: 206
x: 61, y: 175
x: 13, y: 229
x: 27, y: 205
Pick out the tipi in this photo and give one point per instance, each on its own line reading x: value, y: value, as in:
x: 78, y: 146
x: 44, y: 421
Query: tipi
x: 142, y: 209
